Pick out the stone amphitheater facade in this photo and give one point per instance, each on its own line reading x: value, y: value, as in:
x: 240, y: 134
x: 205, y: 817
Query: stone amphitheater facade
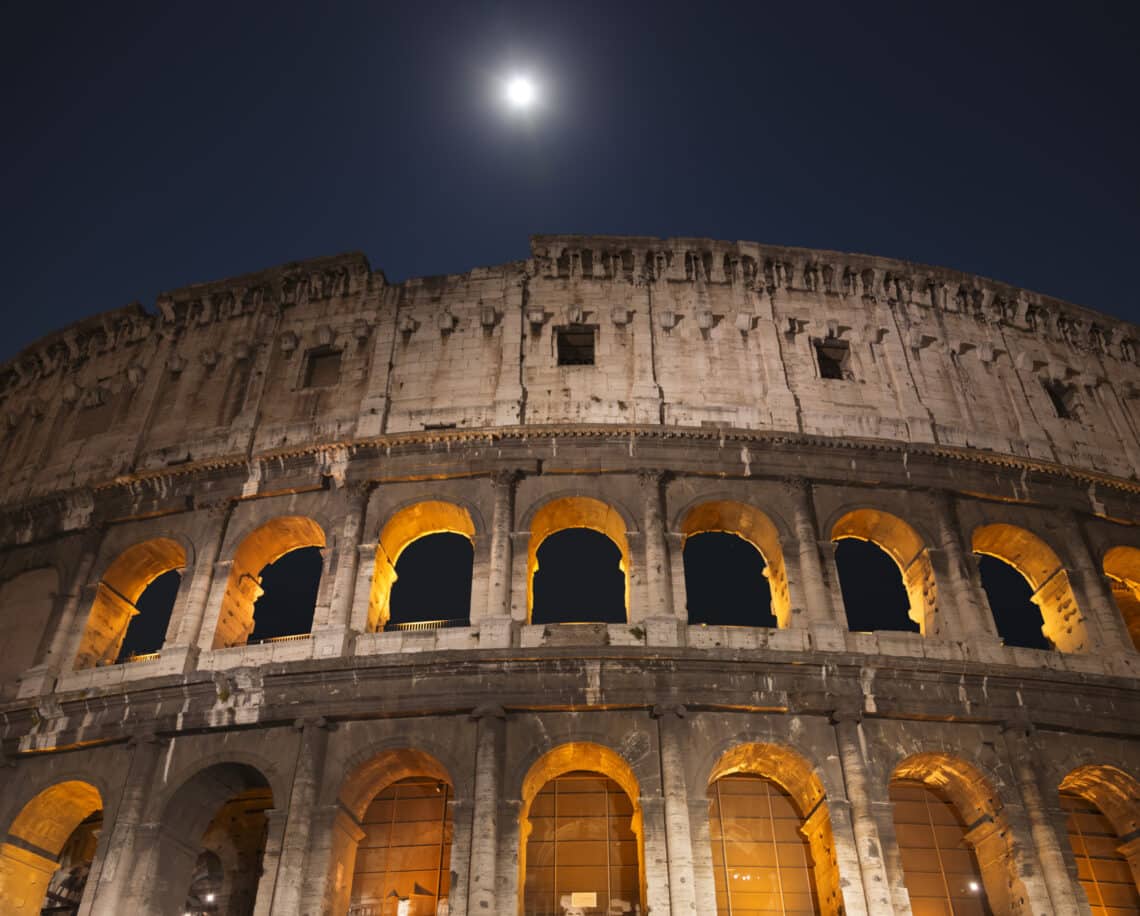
x: 790, y: 396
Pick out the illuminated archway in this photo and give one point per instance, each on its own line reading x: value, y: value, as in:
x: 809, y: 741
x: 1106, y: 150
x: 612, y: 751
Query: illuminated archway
x: 957, y: 849
x: 1122, y: 566
x: 1102, y: 812
x: 117, y: 596
x: 29, y: 855
x: 1064, y: 624
x: 903, y: 545
x: 409, y: 524
x: 261, y: 547
x: 753, y: 526
x: 374, y: 782
x: 770, y: 831
x: 603, y: 800
x: 25, y: 610
x: 575, y: 512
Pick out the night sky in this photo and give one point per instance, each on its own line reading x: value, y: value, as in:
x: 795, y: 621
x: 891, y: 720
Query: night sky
x: 147, y: 146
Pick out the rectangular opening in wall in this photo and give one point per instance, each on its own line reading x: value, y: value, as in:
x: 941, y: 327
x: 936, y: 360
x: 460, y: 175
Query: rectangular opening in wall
x: 833, y: 355
x: 575, y: 344
x: 1063, y: 397
x: 322, y: 369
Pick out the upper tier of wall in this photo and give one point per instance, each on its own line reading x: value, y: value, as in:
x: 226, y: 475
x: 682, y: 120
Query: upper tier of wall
x: 690, y: 332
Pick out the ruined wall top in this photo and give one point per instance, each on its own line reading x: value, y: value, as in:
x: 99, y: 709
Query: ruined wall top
x: 688, y: 333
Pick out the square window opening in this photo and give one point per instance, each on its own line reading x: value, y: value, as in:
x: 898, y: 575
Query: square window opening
x: 833, y: 355
x: 322, y: 369
x: 575, y: 344
x: 1063, y: 397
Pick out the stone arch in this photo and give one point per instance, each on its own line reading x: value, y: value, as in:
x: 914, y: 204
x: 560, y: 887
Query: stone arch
x: 368, y: 778
x: 755, y: 527
x: 1116, y: 795
x: 119, y: 588
x: 26, y: 604
x: 405, y: 526
x: 1122, y: 567
x: 795, y: 776
x: 262, y: 546
x: 571, y: 757
x: 184, y: 816
x: 988, y: 832
x: 575, y: 512
x: 35, y: 838
x: 907, y: 548
x: 1027, y: 553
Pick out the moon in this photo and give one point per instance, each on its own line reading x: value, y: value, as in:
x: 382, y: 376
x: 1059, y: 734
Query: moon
x: 520, y: 92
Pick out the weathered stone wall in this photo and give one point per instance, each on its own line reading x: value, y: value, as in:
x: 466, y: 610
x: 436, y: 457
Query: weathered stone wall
x: 196, y: 428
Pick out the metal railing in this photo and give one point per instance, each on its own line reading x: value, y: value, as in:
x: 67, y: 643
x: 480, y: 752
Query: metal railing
x: 143, y: 657
x: 426, y: 625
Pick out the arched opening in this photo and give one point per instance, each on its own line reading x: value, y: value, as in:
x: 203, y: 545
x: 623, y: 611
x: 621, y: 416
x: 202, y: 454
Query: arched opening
x: 1122, y: 567
x: 213, y: 827
x: 885, y: 574
x: 25, y: 611
x: 1102, y: 820
x: 956, y: 846
x: 47, y: 853
x: 433, y: 583
x: 770, y: 831
x: 437, y: 570
x: 393, y: 837
x: 580, y: 834
x: 734, y: 567
x: 290, y: 581
x: 117, y: 607
x: 573, y: 572
x: 1063, y: 625
x: 1010, y: 596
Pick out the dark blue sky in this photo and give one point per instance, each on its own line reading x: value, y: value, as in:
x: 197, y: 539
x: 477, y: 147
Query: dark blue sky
x: 153, y: 145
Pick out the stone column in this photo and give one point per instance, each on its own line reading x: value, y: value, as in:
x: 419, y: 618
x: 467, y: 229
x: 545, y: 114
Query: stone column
x: 1021, y: 751
x: 823, y: 607
x: 1131, y: 852
x: 311, y: 750
x: 495, y: 625
x: 76, y: 603
x: 1091, y: 585
x: 678, y: 833
x: 112, y: 887
x: 186, y: 631
x: 333, y: 840
x: 659, y: 592
x: 490, y: 735
x: 333, y: 635
x: 461, y: 812
x: 959, y: 592
x: 849, y: 738
x: 270, y: 859
x: 651, y: 826
x: 219, y: 581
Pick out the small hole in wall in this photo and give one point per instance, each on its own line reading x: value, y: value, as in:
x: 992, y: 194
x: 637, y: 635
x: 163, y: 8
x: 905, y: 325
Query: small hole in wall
x: 575, y: 344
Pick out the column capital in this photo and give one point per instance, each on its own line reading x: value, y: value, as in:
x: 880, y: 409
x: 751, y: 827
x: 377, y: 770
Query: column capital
x: 846, y: 714
x: 669, y: 710
x: 304, y: 722
x: 1019, y: 724
x: 488, y: 711
x: 649, y: 477
x: 505, y: 477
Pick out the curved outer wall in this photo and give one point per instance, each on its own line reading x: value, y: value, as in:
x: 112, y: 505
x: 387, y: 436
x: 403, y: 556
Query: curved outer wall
x: 197, y: 425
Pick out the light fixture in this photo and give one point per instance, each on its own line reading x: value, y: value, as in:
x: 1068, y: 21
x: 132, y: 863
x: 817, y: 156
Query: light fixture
x: 975, y: 887
x: 520, y: 92
x: 210, y: 898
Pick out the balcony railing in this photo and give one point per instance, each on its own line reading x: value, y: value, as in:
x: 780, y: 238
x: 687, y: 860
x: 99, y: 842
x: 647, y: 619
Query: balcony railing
x: 294, y: 637
x: 416, y: 625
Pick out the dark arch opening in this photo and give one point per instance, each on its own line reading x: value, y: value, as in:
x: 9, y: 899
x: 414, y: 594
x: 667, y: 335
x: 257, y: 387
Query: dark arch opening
x: 579, y: 579
x: 146, y: 631
x: 725, y: 583
x: 872, y: 586
x: 433, y: 581
x: 1019, y: 621
x: 289, y: 595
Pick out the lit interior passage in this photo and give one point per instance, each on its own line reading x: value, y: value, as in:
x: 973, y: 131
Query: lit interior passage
x: 1104, y: 873
x: 582, y: 849
x: 119, y: 608
x: 942, y: 874
x: 227, y: 866
x: 46, y: 856
x: 1122, y: 566
x: 734, y: 566
x: 423, y: 570
x: 405, y: 853
x: 260, y: 549
x: 761, y: 857
x: 1063, y: 625
x: 885, y: 573
x: 577, y: 563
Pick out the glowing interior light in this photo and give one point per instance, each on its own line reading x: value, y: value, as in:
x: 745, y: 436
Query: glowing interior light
x: 975, y: 887
x: 209, y: 898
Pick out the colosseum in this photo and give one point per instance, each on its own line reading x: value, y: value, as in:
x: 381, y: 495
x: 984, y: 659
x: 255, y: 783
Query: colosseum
x: 606, y: 409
